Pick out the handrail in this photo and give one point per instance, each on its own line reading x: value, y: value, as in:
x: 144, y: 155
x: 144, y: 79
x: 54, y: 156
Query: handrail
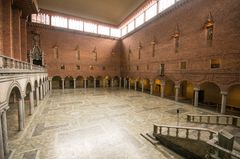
x: 216, y: 147
x: 214, y: 119
x: 158, y: 130
x: 9, y: 64
x: 212, y: 141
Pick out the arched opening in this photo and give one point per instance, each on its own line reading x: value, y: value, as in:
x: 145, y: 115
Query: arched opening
x: 99, y: 82
x: 116, y: 81
x: 107, y: 81
x: 56, y: 82
x: 146, y: 85
x: 132, y: 83
x: 157, y: 87
x: 138, y: 84
x: 233, y: 98
x: 90, y: 82
x: 40, y: 90
x: 13, y: 125
x: 68, y: 82
x: 186, y: 92
x: 209, y: 96
x: 169, y: 89
x: 79, y: 82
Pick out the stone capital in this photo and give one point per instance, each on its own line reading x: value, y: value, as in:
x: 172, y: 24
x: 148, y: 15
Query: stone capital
x: 177, y: 87
x: 196, y: 89
x: 224, y: 93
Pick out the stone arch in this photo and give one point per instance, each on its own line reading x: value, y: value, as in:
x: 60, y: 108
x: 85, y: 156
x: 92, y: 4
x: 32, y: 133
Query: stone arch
x: 68, y: 82
x: 186, y: 91
x: 90, y: 82
x: 14, y: 113
x: 79, y: 82
x: 107, y: 81
x: 99, y: 81
x: 116, y: 81
x: 209, y: 95
x: 146, y: 85
x: 233, y: 96
x: 57, y: 82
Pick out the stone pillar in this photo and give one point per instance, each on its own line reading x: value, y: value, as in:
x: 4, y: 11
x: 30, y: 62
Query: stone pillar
x: 120, y: 82
x: 50, y: 84
x: 112, y: 82
x: 63, y: 85
x: 151, y: 87
x: 196, y: 91
x: 94, y: 83
x: 129, y: 83
x: 4, y: 132
x: 37, y: 95
x: 142, y: 86
x: 124, y: 83
x: 1, y: 141
x: 41, y: 95
x: 176, y: 92
x: 31, y: 103
x: 85, y: 82
x: 21, y: 114
x: 135, y: 85
x: 74, y: 83
x: 162, y: 90
x: 224, y: 101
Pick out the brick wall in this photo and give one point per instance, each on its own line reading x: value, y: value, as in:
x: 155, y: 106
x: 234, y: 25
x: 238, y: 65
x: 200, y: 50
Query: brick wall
x: 67, y: 43
x: 1, y: 25
x: 193, y: 47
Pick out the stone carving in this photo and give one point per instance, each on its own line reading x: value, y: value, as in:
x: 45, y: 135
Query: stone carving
x: 36, y: 54
x: 95, y: 53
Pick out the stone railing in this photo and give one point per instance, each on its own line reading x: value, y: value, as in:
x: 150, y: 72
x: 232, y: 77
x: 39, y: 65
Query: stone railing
x: 216, y: 150
x: 184, y: 132
x: 8, y: 64
x: 215, y: 119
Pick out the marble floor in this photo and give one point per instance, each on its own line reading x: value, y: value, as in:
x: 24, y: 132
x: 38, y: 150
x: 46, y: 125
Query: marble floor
x: 97, y: 124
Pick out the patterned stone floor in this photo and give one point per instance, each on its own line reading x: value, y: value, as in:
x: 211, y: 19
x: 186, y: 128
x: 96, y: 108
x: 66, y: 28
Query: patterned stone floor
x: 97, y: 124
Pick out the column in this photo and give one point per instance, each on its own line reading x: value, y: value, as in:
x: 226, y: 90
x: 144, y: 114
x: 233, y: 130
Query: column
x: 1, y: 141
x: 142, y: 86
x: 162, y: 90
x: 31, y: 103
x: 196, y: 92
x: 74, y: 83
x: 120, y: 82
x: 4, y: 132
x: 94, y: 83
x: 43, y: 89
x: 41, y: 96
x: 37, y: 95
x: 20, y: 115
x: 63, y: 84
x: 85, y: 82
x: 176, y: 92
x: 151, y: 87
x: 112, y: 82
x: 129, y: 84
x: 224, y: 100
x: 124, y: 83
x: 135, y: 85
x: 50, y: 84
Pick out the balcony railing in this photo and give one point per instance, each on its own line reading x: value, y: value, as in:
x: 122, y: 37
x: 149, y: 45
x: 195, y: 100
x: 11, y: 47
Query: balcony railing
x: 11, y: 65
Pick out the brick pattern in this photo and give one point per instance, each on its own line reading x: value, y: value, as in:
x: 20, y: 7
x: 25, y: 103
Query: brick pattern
x: 190, y: 17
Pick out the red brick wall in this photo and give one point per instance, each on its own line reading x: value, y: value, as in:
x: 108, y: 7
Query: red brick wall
x: 190, y: 17
x: 1, y: 25
x: 16, y: 26
x: 67, y: 43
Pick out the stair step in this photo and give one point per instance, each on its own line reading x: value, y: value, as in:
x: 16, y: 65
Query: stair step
x: 149, y: 138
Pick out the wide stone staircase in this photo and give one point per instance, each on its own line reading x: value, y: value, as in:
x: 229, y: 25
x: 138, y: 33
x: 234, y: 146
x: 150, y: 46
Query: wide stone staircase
x: 202, y: 136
